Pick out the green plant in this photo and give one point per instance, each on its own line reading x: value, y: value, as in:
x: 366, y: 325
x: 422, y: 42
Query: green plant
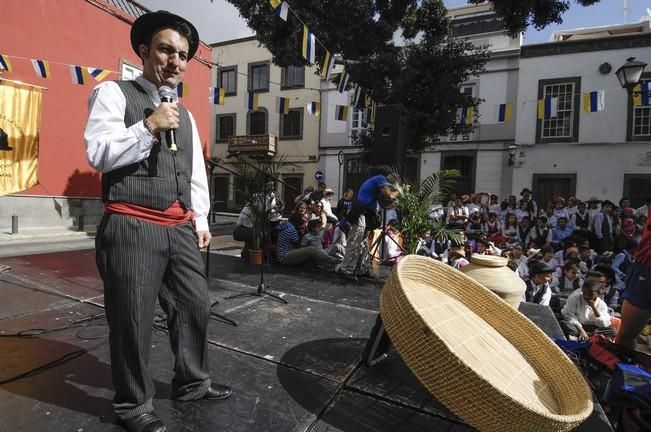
x: 256, y: 178
x: 413, y: 206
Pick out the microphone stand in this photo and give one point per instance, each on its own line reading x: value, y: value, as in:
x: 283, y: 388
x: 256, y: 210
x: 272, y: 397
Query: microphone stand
x: 262, y: 289
x: 214, y: 315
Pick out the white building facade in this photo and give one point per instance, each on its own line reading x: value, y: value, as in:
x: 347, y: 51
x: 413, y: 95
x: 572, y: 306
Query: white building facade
x: 606, y: 153
x: 246, y: 67
x: 572, y: 151
x: 481, y: 152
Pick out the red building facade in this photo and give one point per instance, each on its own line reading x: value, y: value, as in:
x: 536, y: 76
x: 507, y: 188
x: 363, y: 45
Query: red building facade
x: 89, y: 33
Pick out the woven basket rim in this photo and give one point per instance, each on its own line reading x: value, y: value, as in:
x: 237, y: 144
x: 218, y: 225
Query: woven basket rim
x: 489, y: 260
x: 519, y: 318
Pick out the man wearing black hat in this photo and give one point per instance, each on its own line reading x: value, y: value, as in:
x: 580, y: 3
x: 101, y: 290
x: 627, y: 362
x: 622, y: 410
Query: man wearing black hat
x: 156, y: 204
x: 526, y: 196
x: 603, y: 227
x: 538, y: 289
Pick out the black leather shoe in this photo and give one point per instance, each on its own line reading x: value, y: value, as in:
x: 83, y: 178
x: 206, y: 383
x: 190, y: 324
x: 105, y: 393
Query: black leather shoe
x: 217, y: 391
x: 147, y: 422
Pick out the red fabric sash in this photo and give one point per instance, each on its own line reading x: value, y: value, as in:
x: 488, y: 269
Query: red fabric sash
x: 175, y: 214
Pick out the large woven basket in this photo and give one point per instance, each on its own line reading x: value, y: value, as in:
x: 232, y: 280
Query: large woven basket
x: 481, y: 358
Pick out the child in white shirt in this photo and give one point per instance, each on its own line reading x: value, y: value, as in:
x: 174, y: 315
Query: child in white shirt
x: 586, y: 313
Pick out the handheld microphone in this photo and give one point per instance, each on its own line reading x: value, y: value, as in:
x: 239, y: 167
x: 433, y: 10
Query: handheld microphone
x: 166, y: 94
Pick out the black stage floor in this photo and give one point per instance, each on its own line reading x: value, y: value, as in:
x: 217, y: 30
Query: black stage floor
x: 294, y: 367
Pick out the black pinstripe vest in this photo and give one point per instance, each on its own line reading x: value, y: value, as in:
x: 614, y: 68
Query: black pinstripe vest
x: 163, y: 177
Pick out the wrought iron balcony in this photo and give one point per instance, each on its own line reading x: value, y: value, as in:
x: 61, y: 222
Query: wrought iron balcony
x: 253, y: 145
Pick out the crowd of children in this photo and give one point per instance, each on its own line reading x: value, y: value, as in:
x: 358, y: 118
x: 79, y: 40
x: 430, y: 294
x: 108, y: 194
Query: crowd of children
x: 574, y: 256
x: 567, y: 251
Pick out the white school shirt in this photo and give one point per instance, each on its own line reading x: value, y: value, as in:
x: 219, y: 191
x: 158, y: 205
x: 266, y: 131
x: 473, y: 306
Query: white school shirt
x: 577, y: 311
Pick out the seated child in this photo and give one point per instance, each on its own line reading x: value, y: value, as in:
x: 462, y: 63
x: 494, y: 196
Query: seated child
x: 422, y: 247
x: 457, y: 257
x: 567, y: 279
x: 585, y: 313
x: 313, y: 236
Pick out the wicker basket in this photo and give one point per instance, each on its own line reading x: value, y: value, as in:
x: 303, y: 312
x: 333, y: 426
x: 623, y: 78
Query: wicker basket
x: 492, y: 272
x: 481, y: 358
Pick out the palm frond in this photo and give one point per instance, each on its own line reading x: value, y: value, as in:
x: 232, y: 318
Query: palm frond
x: 438, y: 184
x: 441, y: 232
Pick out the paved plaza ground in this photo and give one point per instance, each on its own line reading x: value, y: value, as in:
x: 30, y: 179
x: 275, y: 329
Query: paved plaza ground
x: 294, y: 367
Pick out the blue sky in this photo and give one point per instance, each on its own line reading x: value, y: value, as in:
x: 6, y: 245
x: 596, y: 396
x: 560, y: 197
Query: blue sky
x: 219, y: 20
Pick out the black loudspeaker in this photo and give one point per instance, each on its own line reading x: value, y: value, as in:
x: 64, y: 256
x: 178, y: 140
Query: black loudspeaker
x: 390, y: 135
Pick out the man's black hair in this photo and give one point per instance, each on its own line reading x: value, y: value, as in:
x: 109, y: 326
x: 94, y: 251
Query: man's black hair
x: 592, y: 285
x: 313, y: 223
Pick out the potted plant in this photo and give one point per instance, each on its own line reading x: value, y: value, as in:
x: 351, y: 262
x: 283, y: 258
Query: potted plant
x: 413, y: 207
x: 255, y: 177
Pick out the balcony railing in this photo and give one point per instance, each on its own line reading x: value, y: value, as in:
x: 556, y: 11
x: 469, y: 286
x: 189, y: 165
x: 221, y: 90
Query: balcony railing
x: 253, y: 145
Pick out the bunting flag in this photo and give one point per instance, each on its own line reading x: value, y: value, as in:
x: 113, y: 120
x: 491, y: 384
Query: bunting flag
x: 314, y: 108
x: 357, y: 95
x: 281, y: 10
x: 252, y: 101
x: 594, y: 101
x: 343, y: 81
x: 548, y: 107
x: 98, y: 74
x: 217, y: 95
x: 341, y: 112
x: 20, y: 120
x: 641, y: 94
x: 465, y: 115
x: 182, y: 89
x: 309, y: 45
x: 283, y: 105
x: 328, y: 63
x: 79, y: 75
x: 5, y: 63
x: 504, y: 112
x: 274, y: 3
x: 42, y: 68
x: 371, y: 117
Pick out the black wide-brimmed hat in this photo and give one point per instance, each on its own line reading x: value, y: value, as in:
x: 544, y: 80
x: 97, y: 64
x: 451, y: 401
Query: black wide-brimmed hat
x: 538, y: 267
x: 150, y: 22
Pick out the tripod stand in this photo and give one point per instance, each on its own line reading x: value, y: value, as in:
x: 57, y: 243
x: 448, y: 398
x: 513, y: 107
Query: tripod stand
x: 261, y: 291
x: 379, y: 242
x: 378, y: 347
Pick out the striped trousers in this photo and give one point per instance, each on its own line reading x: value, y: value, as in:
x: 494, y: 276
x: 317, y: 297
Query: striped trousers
x: 140, y: 262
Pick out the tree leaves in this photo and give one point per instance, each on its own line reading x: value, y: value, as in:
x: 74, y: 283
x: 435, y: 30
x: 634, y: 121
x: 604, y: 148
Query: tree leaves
x: 424, y: 74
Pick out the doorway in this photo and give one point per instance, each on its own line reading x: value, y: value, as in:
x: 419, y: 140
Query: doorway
x: 291, y: 189
x: 638, y: 188
x: 220, y: 185
x: 548, y: 186
x: 465, y: 162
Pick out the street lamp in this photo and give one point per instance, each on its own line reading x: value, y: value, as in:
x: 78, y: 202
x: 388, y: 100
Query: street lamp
x: 512, y: 149
x: 629, y: 73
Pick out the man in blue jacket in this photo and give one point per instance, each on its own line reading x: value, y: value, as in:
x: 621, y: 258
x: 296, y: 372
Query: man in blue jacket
x: 363, y: 216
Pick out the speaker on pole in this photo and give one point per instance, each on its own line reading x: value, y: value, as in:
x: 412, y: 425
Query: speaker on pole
x: 390, y: 138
